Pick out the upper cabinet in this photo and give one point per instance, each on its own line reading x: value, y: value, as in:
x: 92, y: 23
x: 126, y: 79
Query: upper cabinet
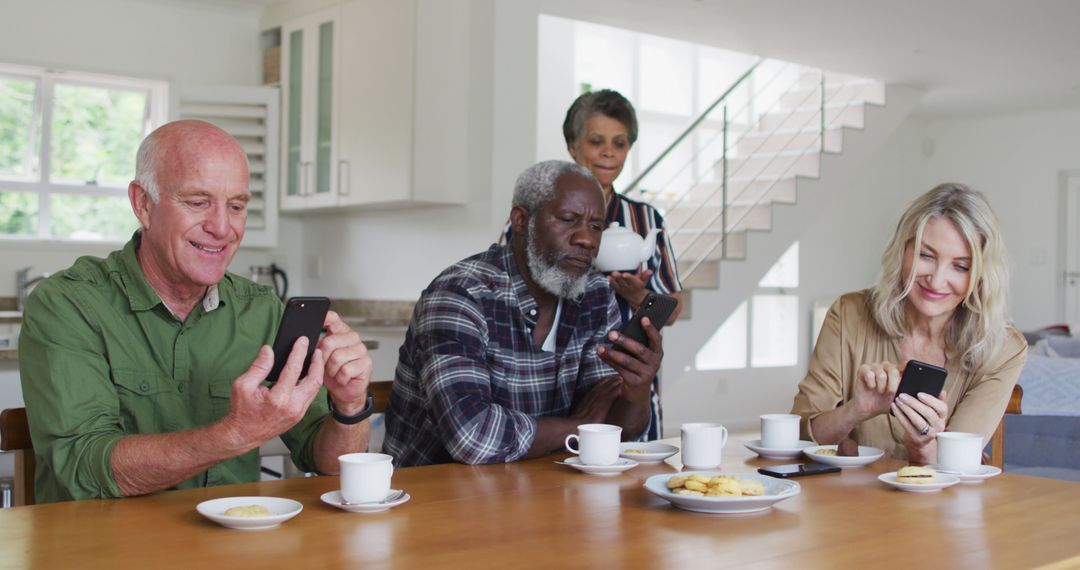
x: 348, y: 91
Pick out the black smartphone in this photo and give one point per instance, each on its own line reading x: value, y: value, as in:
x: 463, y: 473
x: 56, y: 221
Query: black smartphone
x: 304, y: 316
x: 922, y: 377
x: 655, y: 306
x: 797, y: 470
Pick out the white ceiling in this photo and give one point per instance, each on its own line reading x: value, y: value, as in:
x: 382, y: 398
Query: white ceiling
x: 972, y: 56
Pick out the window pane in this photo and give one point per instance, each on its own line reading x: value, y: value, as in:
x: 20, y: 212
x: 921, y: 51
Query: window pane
x: 18, y: 213
x: 667, y: 68
x: 91, y: 217
x: 785, y: 272
x: 18, y: 158
x: 774, y: 330
x: 603, y: 59
x: 727, y: 348
x: 95, y: 132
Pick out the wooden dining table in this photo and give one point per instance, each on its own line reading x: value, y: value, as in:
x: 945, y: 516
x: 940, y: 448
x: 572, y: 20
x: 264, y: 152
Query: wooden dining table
x: 540, y: 514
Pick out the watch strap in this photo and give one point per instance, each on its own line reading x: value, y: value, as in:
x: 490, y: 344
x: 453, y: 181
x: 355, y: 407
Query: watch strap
x: 350, y: 420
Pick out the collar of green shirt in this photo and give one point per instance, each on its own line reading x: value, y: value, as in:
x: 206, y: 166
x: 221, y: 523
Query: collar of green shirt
x: 141, y: 296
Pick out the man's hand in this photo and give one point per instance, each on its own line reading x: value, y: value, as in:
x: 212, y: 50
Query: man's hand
x: 258, y: 413
x: 594, y: 407
x: 348, y: 365
x: 639, y: 364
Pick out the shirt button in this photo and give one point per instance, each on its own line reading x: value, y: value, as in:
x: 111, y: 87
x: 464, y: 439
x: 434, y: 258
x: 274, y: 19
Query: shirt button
x: 532, y: 313
x: 181, y: 388
x: 144, y: 387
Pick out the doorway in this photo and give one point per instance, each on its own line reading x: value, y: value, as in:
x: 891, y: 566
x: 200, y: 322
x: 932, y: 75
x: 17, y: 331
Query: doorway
x: 1069, y: 238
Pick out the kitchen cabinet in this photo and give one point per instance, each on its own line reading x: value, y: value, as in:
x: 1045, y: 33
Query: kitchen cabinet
x: 348, y: 94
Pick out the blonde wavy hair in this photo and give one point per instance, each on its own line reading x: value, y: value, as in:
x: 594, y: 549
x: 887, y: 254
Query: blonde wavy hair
x: 978, y: 328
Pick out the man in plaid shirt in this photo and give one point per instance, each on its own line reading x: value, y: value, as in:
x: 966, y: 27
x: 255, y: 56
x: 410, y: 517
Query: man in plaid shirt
x: 506, y: 353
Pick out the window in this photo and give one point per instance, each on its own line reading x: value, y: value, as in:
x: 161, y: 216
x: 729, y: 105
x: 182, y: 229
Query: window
x: 764, y: 331
x: 67, y: 152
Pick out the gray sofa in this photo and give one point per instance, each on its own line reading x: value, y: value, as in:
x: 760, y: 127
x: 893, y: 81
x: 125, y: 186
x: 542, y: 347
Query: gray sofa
x: 1045, y: 440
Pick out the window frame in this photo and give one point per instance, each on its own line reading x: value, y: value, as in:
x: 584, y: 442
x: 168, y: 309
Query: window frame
x: 38, y: 183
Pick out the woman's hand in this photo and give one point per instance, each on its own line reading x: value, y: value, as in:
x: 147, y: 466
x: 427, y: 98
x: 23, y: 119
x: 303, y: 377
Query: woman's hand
x: 631, y: 286
x: 923, y: 418
x: 875, y: 388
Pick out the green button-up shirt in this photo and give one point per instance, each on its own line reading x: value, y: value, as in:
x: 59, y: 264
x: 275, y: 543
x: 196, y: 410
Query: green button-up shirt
x: 101, y: 357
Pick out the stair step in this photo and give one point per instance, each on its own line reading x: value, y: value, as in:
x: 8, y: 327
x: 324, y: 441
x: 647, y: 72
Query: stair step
x: 855, y: 91
x: 706, y: 276
x: 813, y: 77
x: 743, y: 191
x: 835, y: 116
x: 789, y: 139
x: 708, y: 247
x: 690, y: 221
x: 778, y: 164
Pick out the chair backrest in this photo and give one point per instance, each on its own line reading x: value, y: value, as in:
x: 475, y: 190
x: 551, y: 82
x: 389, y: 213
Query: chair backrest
x: 997, y: 441
x: 15, y: 437
x: 381, y: 389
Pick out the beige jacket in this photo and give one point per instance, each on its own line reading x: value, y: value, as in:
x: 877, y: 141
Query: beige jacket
x: 850, y: 338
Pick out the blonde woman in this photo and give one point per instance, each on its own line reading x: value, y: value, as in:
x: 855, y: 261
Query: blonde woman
x: 941, y: 299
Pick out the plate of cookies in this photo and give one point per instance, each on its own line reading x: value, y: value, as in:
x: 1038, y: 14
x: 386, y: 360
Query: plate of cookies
x: 249, y: 513
x: 721, y: 493
x: 829, y: 455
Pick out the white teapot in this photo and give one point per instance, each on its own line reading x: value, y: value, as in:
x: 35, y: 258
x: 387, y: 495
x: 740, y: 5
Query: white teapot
x: 621, y: 249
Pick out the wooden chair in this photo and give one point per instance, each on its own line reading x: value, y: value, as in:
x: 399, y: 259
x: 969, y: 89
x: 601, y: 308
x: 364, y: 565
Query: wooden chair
x: 15, y: 437
x: 380, y: 389
x: 997, y: 441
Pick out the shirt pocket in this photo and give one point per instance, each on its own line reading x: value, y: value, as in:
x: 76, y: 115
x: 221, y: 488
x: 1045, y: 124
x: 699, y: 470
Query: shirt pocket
x: 220, y: 392
x: 148, y: 401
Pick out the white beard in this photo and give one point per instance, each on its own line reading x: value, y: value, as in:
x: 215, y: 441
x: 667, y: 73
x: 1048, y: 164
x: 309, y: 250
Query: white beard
x: 548, y: 275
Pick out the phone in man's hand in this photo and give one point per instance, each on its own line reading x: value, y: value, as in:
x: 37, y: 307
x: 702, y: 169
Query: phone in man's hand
x: 922, y: 377
x: 304, y: 316
x: 655, y: 306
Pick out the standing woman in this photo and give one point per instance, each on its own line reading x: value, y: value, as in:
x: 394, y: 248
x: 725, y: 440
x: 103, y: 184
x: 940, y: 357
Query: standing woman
x: 599, y: 129
x: 941, y: 299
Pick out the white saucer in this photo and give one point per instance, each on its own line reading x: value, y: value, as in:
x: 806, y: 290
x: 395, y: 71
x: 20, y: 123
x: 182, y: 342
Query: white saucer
x: 646, y: 452
x: 778, y: 453
x: 775, y: 490
x: 985, y: 472
x: 601, y: 470
x: 939, y: 482
x: 867, y: 455
x: 280, y: 509
x: 333, y: 498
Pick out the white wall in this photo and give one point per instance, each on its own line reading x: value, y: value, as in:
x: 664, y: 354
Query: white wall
x: 1015, y: 159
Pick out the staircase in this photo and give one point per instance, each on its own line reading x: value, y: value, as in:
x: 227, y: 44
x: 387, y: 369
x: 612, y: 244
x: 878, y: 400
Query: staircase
x: 743, y: 182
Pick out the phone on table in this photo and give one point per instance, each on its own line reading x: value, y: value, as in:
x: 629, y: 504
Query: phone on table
x: 922, y: 377
x: 797, y: 470
x: 655, y: 306
x: 304, y: 316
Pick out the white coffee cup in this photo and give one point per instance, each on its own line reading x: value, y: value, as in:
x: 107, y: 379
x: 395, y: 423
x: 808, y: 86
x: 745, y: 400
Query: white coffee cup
x: 702, y: 444
x: 597, y: 444
x: 959, y: 451
x: 365, y: 477
x: 780, y: 431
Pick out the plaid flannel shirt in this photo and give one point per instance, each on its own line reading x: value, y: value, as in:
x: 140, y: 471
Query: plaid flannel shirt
x: 471, y: 381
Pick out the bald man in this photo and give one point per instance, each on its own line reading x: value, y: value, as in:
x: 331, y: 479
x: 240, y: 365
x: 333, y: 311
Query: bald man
x: 144, y: 371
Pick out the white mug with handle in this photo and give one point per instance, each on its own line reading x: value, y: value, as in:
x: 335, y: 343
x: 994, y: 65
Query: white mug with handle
x: 702, y: 445
x: 597, y: 444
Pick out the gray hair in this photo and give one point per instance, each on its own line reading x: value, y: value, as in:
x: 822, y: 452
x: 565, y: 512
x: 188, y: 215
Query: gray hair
x: 604, y: 102
x: 146, y: 164
x: 536, y: 186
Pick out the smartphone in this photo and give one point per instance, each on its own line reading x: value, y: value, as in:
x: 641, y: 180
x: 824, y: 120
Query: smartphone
x: 655, y: 306
x: 304, y: 316
x: 922, y: 377
x: 797, y: 470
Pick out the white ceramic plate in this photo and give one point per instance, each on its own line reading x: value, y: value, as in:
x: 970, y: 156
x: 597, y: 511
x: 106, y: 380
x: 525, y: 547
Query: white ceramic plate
x: 985, y: 472
x: 333, y: 498
x: 280, y: 509
x: 867, y: 455
x: 603, y: 470
x: 939, y: 482
x: 646, y: 452
x: 775, y: 490
x: 777, y: 453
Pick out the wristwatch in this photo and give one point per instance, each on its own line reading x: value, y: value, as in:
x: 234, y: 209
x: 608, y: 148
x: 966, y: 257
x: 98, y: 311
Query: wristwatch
x: 350, y: 420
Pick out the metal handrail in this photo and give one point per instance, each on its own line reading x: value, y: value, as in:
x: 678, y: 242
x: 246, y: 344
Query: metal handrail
x: 633, y: 184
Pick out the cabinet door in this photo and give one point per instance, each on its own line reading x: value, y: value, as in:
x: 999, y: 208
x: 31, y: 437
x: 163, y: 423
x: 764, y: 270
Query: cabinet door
x: 377, y: 85
x: 309, y: 77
